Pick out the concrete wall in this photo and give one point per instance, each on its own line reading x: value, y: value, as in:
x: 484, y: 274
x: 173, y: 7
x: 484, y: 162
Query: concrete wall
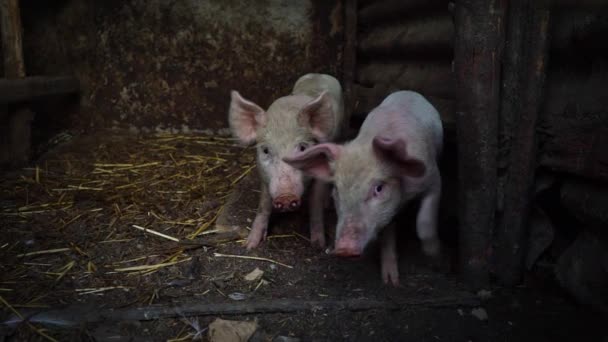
x: 160, y: 64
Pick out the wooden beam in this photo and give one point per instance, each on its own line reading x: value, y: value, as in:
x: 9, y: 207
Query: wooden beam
x: 204, y: 308
x: 29, y: 88
x: 511, y: 235
x: 350, y: 54
x: 479, y: 39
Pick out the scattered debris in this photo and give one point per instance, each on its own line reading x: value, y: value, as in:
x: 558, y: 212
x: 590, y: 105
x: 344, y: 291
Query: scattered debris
x: 254, y: 275
x: 480, y: 313
x: 231, y: 331
x: 220, y: 255
x: 155, y: 233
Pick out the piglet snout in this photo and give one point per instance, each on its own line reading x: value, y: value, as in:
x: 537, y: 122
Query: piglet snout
x: 347, y: 253
x: 347, y: 249
x: 286, y: 203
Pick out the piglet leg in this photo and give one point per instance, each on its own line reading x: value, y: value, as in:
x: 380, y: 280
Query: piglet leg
x: 388, y: 260
x: 317, y: 199
x: 426, y: 221
x: 259, y: 228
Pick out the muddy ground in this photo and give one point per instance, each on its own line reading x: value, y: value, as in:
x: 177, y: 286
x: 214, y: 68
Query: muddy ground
x: 73, y: 265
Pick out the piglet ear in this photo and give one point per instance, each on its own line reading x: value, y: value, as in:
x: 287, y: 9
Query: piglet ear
x: 394, y: 152
x: 244, y: 117
x: 315, y: 160
x: 319, y: 116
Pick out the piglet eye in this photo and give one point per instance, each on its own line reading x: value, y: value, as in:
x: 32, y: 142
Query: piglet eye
x: 265, y: 150
x: 302, y: 147
x: 378, y: 189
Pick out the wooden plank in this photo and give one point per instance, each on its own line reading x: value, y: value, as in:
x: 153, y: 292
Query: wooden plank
x: 29, y: 88
x: 350, y: 54
x: 380, y: 11
x: 512, y: 232
x: 78, y: 315
x: 426, y: 35
x: 479, y: 39
x: 432, y: 78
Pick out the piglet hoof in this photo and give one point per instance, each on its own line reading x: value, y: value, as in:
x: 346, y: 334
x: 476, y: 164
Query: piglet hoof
x: 253, y: 242
x: 317, y: 239
x: 256, y: 236
x: 390, y: 273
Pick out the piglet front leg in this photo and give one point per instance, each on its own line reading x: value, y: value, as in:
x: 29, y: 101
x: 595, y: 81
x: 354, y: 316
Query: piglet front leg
x: 317, y: 200
x: 388, y: 260
x: 259, y: 228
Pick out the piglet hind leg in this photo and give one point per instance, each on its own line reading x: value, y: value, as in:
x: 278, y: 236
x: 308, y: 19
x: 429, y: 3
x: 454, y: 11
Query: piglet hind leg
x: 388, y: 257
x: 317, y: 201
x: 426, y: 222
x: 259, y: 228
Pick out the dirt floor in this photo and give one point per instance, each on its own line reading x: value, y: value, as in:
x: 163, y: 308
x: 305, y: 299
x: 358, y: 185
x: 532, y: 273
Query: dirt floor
x: 75, y: 265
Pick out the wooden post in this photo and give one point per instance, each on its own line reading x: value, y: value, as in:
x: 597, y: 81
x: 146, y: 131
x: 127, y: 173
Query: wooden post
x: 19, y: 121
x: 511, y: 235
x: 479, y: 38
x: 350, y: 55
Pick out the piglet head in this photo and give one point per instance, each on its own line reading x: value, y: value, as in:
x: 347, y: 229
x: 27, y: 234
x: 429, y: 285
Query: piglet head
x: 291, y: 124
x: 368, y: 185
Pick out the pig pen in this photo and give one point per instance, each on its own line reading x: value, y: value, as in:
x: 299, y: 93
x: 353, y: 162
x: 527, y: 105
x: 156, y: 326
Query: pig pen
x: 126, y: 219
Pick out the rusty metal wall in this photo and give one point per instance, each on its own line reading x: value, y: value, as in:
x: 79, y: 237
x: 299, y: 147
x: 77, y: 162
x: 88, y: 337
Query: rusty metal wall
x: 169, y: 65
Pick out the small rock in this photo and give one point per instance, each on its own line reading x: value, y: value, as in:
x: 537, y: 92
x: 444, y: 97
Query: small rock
x: 237, y: 296
x: 231, y: 331
x: 254, y: 275
x: 179, y: 282
x: 480, y: 313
